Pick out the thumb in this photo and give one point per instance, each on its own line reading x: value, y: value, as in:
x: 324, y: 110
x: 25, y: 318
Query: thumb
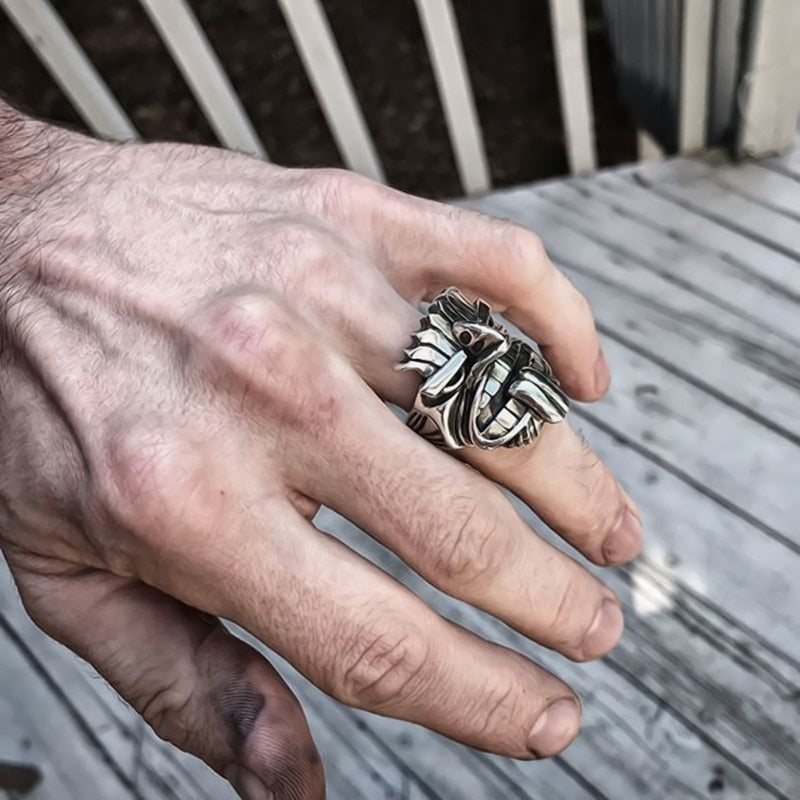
x: 198, y: 686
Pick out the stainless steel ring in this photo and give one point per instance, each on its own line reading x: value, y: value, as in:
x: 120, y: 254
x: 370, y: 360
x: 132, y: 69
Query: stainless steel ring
x: 481, y: 387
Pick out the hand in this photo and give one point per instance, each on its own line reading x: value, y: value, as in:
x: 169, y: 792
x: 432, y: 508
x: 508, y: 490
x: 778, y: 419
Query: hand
x: 195, y: 351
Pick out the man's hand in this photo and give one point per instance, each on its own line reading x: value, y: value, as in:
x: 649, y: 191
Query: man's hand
x: 196, y: 348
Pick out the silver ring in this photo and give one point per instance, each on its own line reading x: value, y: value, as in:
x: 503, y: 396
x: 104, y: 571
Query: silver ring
x: 481, y: 387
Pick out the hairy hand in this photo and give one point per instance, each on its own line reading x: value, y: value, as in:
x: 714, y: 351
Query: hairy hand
x: 196, y: 348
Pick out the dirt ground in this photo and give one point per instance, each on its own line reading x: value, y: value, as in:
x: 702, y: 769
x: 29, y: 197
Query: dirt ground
x: 508, y: 49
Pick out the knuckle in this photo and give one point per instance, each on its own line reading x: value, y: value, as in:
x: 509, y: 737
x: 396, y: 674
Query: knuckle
x: 309, y: 261
x: 530, y: 245
x: 524, y: 245
x: 155, y: 486
x: 255, y: 350
x: 248, y: 326
x: 165, y: 709
x: 499, y: 707
x: 593, y: 522
x: 506, y: 243
x: 599, y: 506
x: 471, y: 549
x: 337, y: 192
x: 569, y: 620
x: 596, y: 518
x: 384, y: 669
x: 582, y: 304
x: 299, y: 242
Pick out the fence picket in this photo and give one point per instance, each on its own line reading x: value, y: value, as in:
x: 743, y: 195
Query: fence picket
x: 200, y: 67
x: 66, y: 61
x: 569, y: 43
x: 447, y: 56
x: 323, y: 62
x: 695, y: 62
x: 770, y: 89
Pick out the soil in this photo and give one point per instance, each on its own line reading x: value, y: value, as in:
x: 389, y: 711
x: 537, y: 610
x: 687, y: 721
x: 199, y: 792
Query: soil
x: 508, y: 52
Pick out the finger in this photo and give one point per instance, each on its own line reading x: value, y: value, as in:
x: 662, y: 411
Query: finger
x: 558, y: 476
x: 372, y: 644
x: 571, y: 490
x: 350, y: 628
x: 350, y: 447
x: 197, y: 685
x: 426, y: 246
x: 347, y: 301
x: 457, y: 530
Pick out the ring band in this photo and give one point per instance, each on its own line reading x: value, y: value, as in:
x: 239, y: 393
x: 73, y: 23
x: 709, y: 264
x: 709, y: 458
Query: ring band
x: 481, y: 387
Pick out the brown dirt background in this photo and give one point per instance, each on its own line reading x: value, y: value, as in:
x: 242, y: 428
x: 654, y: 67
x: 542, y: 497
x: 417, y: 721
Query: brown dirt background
x: 508, y: 50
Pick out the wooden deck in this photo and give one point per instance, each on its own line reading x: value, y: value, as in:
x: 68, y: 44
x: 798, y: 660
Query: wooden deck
x: 693, y: 269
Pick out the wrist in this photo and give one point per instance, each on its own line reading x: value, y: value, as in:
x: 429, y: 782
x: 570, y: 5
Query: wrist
x: 38, y: 164
x: 27, y: 150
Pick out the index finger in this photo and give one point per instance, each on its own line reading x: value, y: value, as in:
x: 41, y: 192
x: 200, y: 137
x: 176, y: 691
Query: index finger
x: 427, y: 246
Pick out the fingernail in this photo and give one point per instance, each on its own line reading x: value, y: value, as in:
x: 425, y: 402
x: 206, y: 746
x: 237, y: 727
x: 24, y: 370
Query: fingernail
x: 605, y: 630
x: 248, y: 786
x: 555, y: 728
x: 625, y: 541
x: 602, y: 374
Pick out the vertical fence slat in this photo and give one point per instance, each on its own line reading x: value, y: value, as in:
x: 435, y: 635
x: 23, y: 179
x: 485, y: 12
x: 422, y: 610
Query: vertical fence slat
x: 187, y: 42
x: 648, y: 149
x: 68, y: 64
x: 698, y: 16
x: 323, y: 62
x: 447, y: 57
x: 770, y: 90
x: 569, y: 43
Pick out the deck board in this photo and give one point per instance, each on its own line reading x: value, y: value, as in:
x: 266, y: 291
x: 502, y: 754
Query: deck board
x: 693, y: 269
x: 36, y: 729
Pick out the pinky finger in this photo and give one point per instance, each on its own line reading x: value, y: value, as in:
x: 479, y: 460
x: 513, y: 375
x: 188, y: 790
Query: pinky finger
x: 198, y: 686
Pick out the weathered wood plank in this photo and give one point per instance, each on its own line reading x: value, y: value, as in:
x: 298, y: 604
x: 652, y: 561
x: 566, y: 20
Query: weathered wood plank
x: 70, y: 67
x: 325, y: 68
x: 787, y: 164
x: 188, y: 44
x: 569, y: 44
x: 612, y: 212
x: 769, y: 93
x: 706, y: 550
x: 440, y: 29
x: 47, y: 735
x: 705, y: 197
x: 765, y: 186
x: 771, y: 187
x: 682, y: 223
x: 695, y: 66
x: 631, y: 741
x: 731, y: 356
x: 736, y: 459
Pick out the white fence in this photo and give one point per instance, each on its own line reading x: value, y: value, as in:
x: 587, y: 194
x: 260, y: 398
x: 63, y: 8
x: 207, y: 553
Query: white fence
x: 189, y: 46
